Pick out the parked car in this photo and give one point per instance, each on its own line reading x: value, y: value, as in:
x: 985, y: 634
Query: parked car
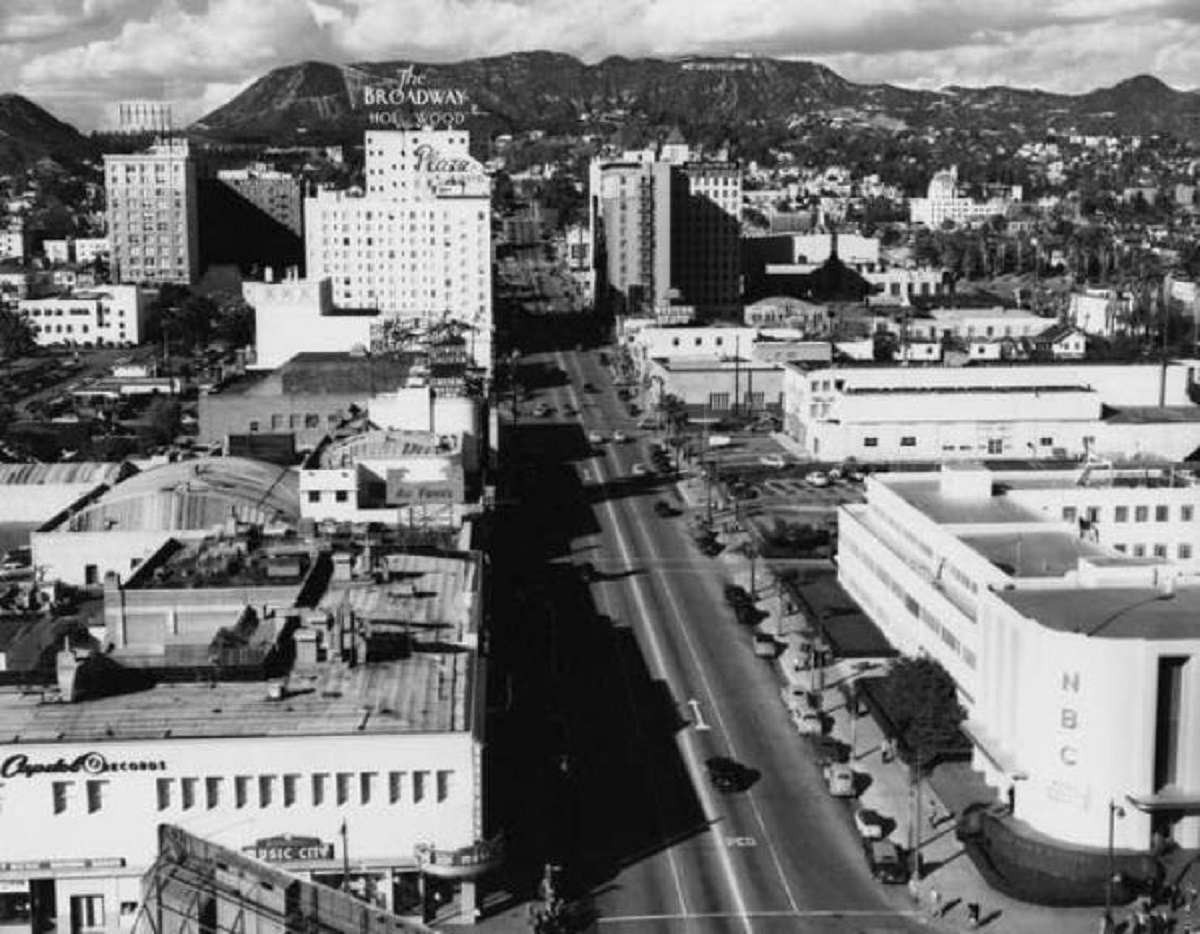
x: 885, y: 861
x: 639, y: 470
x: 619, y: 437
x: 594, y: 437
x: 665, y: 510
x: 839, y: 778
x: 870, y: 824
x: 765, y: 645
x: 735, y: 594
x: 541, y: 410
x: 772, y: 460
x: 816, y: 478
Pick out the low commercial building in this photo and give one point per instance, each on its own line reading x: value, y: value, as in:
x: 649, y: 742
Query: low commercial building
x: 1075, y: 661
x: 965, y: 324
x: 38, y: 492
x: 313, y: 394
x: 109, y: 315
x: 121, y: 527
x: 412, y: 478
x: 297, y: 316
x: 937, y: 413
x: 344, y: 735
x: 716, y: 387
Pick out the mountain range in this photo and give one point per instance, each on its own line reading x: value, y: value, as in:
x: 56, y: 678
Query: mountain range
x: 622, y: 100
x: 704, y: 97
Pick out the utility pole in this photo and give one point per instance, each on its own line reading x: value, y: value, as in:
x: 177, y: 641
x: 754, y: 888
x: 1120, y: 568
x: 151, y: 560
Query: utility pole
x: 737, y: 363
x: 914, y: 830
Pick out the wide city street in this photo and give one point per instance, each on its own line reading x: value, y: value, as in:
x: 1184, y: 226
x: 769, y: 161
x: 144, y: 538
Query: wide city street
x: 646, y: 676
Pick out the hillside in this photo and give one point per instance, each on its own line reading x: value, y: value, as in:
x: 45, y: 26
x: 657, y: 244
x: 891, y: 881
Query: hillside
x: 710, y: 99
x: 29, y: 133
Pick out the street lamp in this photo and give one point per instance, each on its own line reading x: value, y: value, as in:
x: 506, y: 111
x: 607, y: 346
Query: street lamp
x: 1114, y: 811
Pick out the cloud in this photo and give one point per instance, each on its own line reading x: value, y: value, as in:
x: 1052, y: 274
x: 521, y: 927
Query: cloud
x: 178, y: 54
x: 77, y: 56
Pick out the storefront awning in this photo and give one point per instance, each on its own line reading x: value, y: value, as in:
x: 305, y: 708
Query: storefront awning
x: 1178, y: 800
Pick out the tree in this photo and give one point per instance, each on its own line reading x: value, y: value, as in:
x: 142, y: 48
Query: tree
x: 921, y: 700
x: 16, y: 334
x: 673, y: 412
x: 234, y: 321
x: 162, y: 420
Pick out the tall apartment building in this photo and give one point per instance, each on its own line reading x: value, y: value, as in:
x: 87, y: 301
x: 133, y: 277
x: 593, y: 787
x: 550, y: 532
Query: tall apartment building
x: 666, y: 231
x: 152, y: 219
x: 416, y: 244
x: 276, y: 194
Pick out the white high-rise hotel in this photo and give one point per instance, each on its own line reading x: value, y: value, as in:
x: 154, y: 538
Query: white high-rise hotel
x: 416, y: 245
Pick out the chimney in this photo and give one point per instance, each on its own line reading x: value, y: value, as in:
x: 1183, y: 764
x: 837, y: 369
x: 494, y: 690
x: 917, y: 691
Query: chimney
x: 66, y: 669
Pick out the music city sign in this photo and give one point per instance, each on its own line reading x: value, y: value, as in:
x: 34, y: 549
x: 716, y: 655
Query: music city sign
x: 407, y: 99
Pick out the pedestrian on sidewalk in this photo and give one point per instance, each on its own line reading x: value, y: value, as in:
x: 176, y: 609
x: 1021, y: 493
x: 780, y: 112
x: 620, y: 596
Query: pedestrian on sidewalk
x: 935, y: 903
x: 972, y: 915
x: 888, y: 749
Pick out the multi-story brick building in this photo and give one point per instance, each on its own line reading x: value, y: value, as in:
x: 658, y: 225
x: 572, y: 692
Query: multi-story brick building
x: 152, y: 219
x: 667, y: 232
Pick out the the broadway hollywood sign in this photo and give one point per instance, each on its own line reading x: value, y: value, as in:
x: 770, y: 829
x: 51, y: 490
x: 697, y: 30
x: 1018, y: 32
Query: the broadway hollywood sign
x: 408, y: 99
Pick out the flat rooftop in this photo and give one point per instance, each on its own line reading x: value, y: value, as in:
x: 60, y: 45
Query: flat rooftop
x: 429, y: 597
x: 424, y: 693
x: 223, y: 562
x: 963, y: 390
x: 382, y: 445
x: 327, y: 374
x: 1155, y: 414
x: 1050, y: 553
x: 1113, y: 612
x: 926, y: 495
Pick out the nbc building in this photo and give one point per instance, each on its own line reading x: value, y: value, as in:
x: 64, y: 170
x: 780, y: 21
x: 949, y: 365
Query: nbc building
x: 415, y: 245
x: 1064, y: 604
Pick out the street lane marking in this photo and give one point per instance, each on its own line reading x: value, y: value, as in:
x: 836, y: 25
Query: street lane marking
x: 637, y: 588
x: 697, y: 718
x: 676, y: 875
x: 707, y: 686
x: 810, y: 913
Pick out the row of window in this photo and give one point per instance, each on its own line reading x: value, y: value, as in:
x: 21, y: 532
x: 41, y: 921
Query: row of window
x: 1183, y: 551
x: 58, y: 312
x: 911, y: 604
x: 1142, y: 513
x: 317, y: 789
x: 296, y: 420
x: 336, y: 496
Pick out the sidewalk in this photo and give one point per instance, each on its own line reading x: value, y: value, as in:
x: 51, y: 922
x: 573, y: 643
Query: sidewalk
x: 947, y: 868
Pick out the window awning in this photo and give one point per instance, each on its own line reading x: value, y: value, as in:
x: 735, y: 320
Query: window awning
x: 1169, y: 798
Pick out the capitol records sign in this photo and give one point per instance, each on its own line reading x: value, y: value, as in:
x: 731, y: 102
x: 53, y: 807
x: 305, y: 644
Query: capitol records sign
x: 408, y: 99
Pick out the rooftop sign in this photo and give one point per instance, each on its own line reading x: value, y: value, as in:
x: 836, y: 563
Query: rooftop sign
x: 407, y: 100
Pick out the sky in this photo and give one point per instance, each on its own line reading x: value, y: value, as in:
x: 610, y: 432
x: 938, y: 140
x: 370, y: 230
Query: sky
x: 77, y: 58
